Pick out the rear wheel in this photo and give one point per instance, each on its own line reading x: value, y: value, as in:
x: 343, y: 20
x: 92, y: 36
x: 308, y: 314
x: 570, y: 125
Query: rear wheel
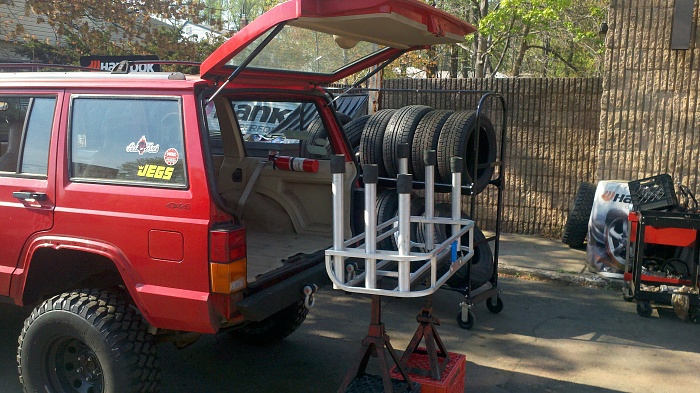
x: 275, y: 327
x: 87, y: 341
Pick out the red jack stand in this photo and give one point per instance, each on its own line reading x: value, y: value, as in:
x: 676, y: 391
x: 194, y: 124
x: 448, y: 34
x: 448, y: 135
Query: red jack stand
x: 376, y: 344
x: 426, y: 329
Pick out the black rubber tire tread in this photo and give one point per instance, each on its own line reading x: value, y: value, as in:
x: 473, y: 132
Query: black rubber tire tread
x: 469, y: 323
x: 273, y: 328
x: 576, y: 227
x: 426, y: 138
x: 317, y: 132
x: 482, y: 261
x: 113, y: 327
x: 456, y: 139
x: 353, y: 130
x: 387, y: 208
x: 372, y: 140
x: 401, y: 129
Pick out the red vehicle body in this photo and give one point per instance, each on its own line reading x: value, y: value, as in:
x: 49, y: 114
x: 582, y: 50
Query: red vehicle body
x: 139, y: 189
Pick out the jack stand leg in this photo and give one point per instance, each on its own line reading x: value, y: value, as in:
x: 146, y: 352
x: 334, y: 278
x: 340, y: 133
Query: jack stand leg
x: 376, y: 344
x: 426, y: 330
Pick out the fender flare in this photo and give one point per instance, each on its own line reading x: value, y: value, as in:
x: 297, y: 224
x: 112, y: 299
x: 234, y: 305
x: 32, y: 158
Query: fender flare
x: 109, y: 251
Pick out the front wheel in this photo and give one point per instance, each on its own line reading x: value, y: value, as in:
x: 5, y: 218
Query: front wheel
x: 87, y: 341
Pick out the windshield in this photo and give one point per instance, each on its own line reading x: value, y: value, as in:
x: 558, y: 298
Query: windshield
x: 302, y: 50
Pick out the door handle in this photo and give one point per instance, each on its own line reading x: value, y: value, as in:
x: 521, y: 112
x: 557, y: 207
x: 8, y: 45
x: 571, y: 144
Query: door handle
x: 28, y: 195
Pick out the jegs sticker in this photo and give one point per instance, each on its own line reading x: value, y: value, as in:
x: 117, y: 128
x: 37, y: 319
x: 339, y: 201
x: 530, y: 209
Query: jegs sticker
x: 171, y: 156
x: 156, y: 171
x: 143, y: 146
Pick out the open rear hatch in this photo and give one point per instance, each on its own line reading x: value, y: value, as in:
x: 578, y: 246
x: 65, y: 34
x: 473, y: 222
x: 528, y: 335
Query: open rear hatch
x: 316, y: 42
x: 305, y: 43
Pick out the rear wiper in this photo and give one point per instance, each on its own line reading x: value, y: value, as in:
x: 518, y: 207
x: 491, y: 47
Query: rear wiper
x: 248, y: 59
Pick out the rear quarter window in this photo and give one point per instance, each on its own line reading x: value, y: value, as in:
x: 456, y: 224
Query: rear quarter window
x: 128, y: 140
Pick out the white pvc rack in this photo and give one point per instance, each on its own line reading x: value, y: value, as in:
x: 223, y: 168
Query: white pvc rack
x: 416, y: 273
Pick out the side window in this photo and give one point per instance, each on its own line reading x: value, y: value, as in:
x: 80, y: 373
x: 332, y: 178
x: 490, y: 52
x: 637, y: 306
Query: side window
x: 25, y: 134
x: 128, y: 140
x: 290, y: 128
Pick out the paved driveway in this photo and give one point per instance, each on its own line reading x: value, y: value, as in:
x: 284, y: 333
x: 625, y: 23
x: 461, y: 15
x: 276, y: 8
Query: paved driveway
x: 549, y: 338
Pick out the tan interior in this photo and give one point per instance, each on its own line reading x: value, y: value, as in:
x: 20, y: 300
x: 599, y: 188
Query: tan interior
x: 287, y: 212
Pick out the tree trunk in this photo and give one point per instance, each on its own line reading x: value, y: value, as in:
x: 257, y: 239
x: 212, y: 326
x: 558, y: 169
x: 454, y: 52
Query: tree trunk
x: 518, y: 63
x: 480, y: 42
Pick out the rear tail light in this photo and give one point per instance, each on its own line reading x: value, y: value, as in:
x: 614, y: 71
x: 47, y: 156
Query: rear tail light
x: 227, y: 260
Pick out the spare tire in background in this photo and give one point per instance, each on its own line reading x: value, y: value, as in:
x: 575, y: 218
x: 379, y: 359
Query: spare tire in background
x: 387, y: 208
x: 318, y: 139
x: 482, y: 262
x: 401, y: 129
x: 576, y: 227
x: 353, y: 130
x: 457, y: 139
x: 426, y: 138
x: 373, y: 138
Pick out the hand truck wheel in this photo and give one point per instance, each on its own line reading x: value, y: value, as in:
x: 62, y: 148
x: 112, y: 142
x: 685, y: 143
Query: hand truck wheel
x: 495, y: 307
x: 469, y: 323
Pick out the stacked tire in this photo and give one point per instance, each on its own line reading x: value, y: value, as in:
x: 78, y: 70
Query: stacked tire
x: 450, y: 134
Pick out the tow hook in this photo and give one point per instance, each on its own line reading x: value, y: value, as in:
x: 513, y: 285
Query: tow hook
x: 309, y: 291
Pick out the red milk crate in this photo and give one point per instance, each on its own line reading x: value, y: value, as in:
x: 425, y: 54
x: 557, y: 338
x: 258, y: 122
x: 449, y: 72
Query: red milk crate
x: 452, y: 377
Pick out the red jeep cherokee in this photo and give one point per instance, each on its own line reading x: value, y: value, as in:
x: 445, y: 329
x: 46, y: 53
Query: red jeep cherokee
x: 134, y: 205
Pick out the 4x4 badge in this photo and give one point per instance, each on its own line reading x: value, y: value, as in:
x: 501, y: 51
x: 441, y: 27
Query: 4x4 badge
x: 143, y: 146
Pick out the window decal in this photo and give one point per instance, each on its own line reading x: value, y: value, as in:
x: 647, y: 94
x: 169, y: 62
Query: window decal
x: 143, y: 146
x: 171, y: 156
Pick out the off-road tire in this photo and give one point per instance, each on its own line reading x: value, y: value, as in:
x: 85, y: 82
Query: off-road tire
x: 273, y: 328
x: 426, y: 138
x: 576, y: 227
x: 96, y: 341
x: 372, y: 140
x: 401, y: 129
x: 457, y: 140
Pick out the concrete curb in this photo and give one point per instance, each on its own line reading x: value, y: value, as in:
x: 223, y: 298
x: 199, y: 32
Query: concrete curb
x: 585, y: 279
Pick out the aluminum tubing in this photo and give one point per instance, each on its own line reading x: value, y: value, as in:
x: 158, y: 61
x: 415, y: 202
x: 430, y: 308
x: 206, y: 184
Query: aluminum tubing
x: 429, y: 228
x: 404, y: 150
x: 338, y: 171
x: 457, y: 166
x: 404, y: 184
x: 370, y: 177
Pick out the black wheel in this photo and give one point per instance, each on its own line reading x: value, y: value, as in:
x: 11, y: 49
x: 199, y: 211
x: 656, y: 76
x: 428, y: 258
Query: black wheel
x: 495, y: 307
x: 482, y: 261
x: 353, y: 130
x: 401, y: 129
x: 87, y: 341
x: 387, y: 208
x: 469, y: 323
x: 273, y: 328
x: 576, y: 227
x: 372, y: 140
x: 426, y: 138
x: 313, y: 146
x: 457, y: 139
x: 644, y: 309
x: 316, y: 145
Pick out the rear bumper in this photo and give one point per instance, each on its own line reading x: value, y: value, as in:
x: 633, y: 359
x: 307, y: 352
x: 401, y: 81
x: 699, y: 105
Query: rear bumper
x: 275, y: 298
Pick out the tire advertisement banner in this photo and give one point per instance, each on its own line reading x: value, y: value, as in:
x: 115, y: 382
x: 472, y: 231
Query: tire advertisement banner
x: 608, y: 232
